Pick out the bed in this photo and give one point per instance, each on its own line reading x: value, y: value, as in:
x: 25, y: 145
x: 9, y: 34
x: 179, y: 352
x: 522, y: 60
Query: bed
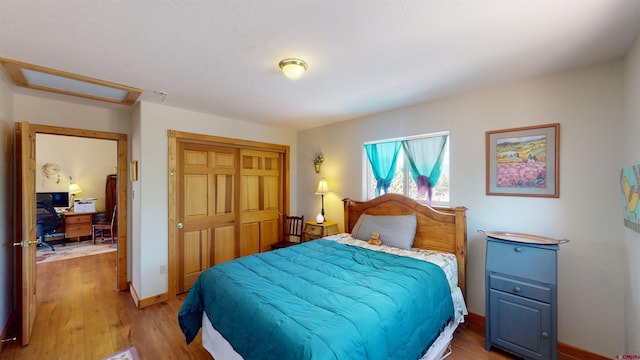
x: 339, y: 297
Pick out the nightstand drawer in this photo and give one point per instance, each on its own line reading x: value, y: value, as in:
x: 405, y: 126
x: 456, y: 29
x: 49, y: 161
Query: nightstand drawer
x: 529, y: 290
x: 314, y: 230
x: 522, y: 261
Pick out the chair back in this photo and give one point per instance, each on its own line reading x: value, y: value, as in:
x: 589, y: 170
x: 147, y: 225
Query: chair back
x: 46, y: 215
x: 293, y: 227
x: 45, y: 202
x: 113, y: 215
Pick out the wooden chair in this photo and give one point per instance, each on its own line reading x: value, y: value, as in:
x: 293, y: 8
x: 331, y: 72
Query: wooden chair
x: 292, y: 227
x: 103, y: 227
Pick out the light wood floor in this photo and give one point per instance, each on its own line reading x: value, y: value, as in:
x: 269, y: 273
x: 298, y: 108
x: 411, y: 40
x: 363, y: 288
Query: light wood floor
x: 82, y: 316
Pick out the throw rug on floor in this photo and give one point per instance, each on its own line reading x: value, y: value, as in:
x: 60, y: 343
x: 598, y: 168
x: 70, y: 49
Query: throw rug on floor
x: 72, y: 250
x: 126, y: 354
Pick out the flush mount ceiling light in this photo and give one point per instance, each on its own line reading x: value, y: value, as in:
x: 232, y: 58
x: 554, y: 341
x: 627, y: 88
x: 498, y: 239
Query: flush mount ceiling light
x: 46, y: 79
x: 293, y: 68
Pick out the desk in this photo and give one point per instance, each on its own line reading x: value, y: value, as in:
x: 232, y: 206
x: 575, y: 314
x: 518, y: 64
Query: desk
x: 78, y: 224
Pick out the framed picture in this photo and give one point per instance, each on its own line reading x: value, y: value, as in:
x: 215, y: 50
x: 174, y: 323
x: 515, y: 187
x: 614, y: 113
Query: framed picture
x: 524, y: 161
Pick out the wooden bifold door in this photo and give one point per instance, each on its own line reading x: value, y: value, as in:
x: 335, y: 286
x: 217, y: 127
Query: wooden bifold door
x: 229, y: 202
x: 207, y: 209
x: 260, y: 201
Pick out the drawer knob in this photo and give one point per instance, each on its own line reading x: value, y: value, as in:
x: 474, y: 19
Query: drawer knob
x: 518, y: 249
x: 545, y: 335
x: 516, y: 289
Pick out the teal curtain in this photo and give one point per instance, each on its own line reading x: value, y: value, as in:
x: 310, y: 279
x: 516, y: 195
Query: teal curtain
x: 425, y: 158
x: 383, y: 158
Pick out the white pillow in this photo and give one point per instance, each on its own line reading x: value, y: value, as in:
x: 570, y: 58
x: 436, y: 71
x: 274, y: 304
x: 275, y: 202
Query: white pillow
x: 395, y: 230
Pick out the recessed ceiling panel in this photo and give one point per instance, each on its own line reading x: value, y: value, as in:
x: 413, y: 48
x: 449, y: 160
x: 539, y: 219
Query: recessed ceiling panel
x: 45, y: 79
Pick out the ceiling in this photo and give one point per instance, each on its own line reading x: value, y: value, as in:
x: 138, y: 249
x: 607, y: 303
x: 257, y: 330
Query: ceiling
x: 221, y: 56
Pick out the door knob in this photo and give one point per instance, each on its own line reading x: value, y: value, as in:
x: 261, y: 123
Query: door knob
x: 25, y: 243
x: 180, y: 225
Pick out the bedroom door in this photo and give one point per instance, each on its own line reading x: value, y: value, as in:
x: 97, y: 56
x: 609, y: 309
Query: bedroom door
x: 207, y: 209
x: 26, y: 233
x: 261, y: 200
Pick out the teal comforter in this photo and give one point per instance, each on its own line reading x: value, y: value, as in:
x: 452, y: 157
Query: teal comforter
x: 322, y: 300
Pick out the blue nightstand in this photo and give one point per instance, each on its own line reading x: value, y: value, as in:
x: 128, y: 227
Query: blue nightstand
x: 521, y: 298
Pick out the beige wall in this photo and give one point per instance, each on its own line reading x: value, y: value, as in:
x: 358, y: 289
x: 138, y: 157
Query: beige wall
x: 135, y: 205
x: 588, y: 105
x: 47, y: 111
x: 630, y: 156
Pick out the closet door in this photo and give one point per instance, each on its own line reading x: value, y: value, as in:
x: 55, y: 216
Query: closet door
x: 261, y: 186
x: 206, y: 209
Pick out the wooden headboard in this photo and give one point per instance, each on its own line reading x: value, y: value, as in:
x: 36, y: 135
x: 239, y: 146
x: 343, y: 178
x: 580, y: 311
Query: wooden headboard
x: 439, y: 228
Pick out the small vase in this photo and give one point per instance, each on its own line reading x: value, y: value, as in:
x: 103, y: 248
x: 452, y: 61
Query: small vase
x: 319, y: 219
x: 317, y: 168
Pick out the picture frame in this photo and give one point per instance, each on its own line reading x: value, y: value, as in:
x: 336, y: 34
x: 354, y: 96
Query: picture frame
x: 523, y: 161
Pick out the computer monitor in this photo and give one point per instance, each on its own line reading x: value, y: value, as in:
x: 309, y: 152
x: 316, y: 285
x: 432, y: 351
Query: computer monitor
x: 60, y: 199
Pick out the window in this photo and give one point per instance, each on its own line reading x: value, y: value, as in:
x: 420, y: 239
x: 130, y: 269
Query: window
x: 409, y: 166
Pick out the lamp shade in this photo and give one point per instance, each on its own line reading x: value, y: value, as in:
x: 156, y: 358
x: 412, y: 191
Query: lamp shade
x: 323, y: 188
x: 74, y: 189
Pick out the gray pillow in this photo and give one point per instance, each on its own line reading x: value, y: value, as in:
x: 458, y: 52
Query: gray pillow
x: 395, y: 230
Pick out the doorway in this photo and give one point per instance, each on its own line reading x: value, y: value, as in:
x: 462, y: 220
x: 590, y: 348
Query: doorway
x: 121, y: 171
x: 25, y: 146
x: 69, y: 169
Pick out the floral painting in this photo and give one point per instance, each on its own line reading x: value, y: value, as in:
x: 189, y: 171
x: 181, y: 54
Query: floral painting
x: 523, y: 161
x: 629, y: 180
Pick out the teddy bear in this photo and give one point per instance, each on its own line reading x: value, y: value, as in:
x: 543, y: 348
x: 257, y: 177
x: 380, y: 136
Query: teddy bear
x: 375, y: 239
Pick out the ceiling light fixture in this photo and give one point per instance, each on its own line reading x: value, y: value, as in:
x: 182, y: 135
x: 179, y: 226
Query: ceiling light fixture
x: 293, y: 68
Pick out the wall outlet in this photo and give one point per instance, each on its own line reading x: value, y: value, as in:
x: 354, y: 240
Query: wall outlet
x: 163, y: 269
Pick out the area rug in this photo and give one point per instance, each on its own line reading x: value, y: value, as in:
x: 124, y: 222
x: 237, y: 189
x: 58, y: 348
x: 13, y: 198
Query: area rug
x: 72, y: 250
x: 126, y: 354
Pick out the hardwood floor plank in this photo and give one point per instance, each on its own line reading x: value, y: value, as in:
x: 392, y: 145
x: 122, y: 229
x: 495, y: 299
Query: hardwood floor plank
x: 82, y: 316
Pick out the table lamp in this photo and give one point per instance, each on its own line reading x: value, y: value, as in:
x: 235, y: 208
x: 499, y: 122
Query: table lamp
x: 323, y: 189
x: 74, y: 189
